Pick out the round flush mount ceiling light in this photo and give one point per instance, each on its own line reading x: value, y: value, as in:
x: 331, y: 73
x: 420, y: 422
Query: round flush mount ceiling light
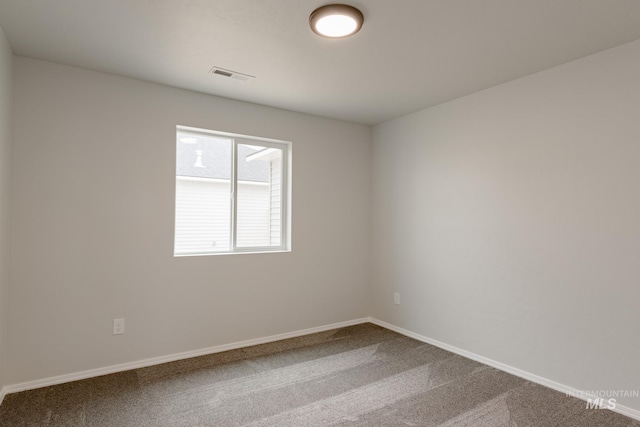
x: 336, y: 20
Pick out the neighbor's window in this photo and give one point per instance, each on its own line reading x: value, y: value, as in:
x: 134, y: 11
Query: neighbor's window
x: 232, y: 193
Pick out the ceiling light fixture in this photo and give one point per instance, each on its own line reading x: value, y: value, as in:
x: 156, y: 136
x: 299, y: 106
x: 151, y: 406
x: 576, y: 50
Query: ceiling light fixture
x: 336, y: 20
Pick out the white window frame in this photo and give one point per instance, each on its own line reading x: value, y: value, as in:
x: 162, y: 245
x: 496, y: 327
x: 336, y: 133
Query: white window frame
x: 285, y: 199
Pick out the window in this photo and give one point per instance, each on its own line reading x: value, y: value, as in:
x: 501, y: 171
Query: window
x: 232, y: 193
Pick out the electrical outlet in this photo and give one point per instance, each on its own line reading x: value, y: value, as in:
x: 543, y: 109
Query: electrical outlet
x: 118, y: 326
x: 396, y: 298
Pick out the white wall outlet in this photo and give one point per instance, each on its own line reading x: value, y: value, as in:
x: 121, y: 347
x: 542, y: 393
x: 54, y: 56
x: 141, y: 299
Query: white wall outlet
x: 396, y: 298
x: 118, y: 326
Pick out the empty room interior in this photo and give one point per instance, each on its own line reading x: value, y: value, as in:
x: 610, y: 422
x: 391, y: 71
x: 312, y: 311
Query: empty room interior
x: 215, y: 213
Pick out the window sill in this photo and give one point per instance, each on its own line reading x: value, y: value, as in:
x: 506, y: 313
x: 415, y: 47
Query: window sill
x: 253, y: 252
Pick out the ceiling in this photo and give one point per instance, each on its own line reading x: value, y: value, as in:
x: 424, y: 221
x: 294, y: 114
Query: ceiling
x: 409, y: 55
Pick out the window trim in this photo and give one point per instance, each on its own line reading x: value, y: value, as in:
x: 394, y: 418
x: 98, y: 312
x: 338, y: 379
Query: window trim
x: 285, y: 199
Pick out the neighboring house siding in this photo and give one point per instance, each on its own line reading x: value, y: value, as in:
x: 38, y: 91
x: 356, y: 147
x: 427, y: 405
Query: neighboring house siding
x: 275, y: 202
x: 253, y: 214
x: 203, y: 215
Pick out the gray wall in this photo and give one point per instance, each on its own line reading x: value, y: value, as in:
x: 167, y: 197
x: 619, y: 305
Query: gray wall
x: 509, y: 222
x: 93, y: 218
x: 6, y: 72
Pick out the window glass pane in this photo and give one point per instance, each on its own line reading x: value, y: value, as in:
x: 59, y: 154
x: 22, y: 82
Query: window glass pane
x: 203, y: 194
x: 208, y: 174
x: 259, y: 204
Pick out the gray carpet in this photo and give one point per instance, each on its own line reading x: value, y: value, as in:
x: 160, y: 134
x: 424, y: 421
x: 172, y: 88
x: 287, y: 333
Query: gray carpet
x: 362, y: 375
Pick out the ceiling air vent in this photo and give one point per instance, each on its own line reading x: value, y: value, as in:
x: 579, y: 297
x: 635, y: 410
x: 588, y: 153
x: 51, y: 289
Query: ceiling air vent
x: 223, y: 72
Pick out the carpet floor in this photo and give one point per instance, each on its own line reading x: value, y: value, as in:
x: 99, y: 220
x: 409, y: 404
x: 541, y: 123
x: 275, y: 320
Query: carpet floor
x: 361, y: 375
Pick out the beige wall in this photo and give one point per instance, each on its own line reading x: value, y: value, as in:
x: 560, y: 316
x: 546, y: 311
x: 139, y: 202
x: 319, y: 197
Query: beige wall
x: 509, y: 221
x: 93, y: 210
x: 6, y: 68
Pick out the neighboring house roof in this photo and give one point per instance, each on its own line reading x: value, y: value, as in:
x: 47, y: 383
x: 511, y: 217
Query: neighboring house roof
x: 215, y: 160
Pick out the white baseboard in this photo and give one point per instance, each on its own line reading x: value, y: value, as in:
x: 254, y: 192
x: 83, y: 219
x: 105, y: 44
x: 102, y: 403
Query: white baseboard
x: 29, y: 385
x: 3, y: 393
x: 621, y: 409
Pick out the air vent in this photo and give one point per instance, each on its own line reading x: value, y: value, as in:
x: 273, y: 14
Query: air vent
x: 223, y: 72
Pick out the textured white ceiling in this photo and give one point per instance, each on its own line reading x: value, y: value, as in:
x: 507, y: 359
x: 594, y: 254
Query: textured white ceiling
x: 409, y: 55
